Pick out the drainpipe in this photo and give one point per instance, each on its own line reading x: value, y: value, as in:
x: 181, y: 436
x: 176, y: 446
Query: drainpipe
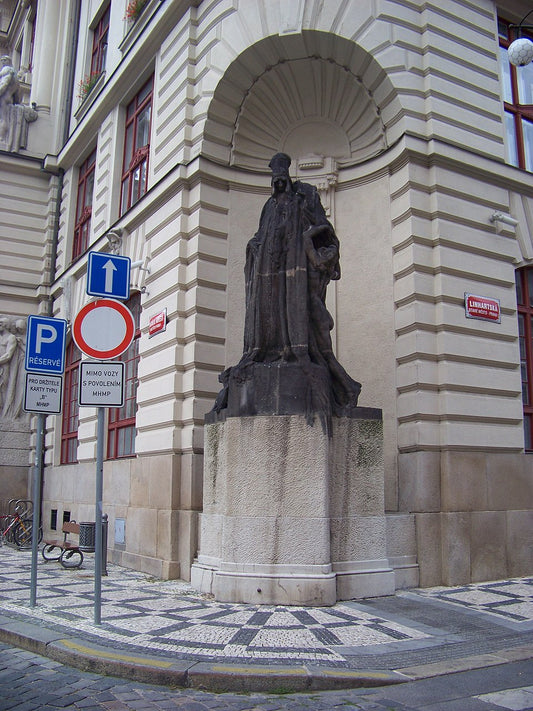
x: 65, y: 136
x: 55, y: 240
x: 38, y: 478
x: 61, y: 172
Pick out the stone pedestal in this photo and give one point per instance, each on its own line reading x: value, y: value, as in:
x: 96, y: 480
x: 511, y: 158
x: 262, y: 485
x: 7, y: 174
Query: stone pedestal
x: 292, y: 515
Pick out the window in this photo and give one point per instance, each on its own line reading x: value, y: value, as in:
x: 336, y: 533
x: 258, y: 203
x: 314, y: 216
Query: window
x: 136, y: 147
x: 84, y: 206
x: 518, y: 102
x: 524, y: 298
x: 121, y: 427
x: 17, y: 55
x: 69, y: 430
x: 32, y: 44
x: 99, y: 50
x: 24, y: 46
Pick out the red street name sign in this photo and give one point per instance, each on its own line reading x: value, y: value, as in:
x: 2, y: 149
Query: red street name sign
x: 481, y: 307
x: 158, y: 323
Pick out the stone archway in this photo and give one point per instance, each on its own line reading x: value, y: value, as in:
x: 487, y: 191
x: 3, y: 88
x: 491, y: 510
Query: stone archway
x: 328, y: 103
x: 303, y: 94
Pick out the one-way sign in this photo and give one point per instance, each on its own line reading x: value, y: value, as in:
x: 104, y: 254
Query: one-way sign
x: 108, y: 275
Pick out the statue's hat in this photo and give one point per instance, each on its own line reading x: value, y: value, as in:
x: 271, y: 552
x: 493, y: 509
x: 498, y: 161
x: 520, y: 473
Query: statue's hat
x: 280, y: 164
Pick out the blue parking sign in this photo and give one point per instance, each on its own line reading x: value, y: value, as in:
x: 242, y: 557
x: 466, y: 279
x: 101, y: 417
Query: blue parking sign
x: 45, y: 344
x: 108, y: 275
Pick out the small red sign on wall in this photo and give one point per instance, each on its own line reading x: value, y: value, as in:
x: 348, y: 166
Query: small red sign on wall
x: 482, y: 307
x: 157, y: 323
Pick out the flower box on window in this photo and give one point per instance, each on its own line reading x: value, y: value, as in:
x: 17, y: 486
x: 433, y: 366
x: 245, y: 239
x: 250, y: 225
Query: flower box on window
x: 87, y: 84
x: 134, y: 9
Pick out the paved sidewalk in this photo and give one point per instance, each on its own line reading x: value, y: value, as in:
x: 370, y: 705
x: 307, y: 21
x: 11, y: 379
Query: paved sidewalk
x: 166, y: 632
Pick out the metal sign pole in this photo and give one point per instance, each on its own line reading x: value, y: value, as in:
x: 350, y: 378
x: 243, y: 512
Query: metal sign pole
x: 44, y: 362
x: 36, y: 490
x: 103, y: 330
x: 98, y: 518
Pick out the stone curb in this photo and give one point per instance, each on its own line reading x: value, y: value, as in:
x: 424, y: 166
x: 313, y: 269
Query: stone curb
x: 210, y: 676
x: 461, y: 664
x: 228, y: 677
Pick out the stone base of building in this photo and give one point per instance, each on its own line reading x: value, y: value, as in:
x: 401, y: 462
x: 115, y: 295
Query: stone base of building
x: 291, y: 515
x: 15, y: 438
x: 151, y: 502
x: 154, y: 567
x: 473, y: 512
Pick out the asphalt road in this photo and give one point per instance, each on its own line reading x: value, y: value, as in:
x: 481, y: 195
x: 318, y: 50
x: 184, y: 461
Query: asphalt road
x: 29, y: 682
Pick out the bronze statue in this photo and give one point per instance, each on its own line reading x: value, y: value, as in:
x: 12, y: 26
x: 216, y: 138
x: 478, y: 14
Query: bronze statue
x: 288, y: 365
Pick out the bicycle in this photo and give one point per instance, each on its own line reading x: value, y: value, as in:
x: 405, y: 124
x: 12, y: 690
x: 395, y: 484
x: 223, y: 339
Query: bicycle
x: 17, y: 527
x: 15, y: 508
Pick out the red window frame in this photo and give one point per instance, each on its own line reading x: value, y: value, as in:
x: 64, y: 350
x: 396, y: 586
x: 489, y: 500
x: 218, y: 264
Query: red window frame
x: 70, y: 416
x: 134, y: 180
x: 121, y: 423
x: 100, y: 35
x: 84, y: 206
x: 524, y: 299
x: 518, y: 113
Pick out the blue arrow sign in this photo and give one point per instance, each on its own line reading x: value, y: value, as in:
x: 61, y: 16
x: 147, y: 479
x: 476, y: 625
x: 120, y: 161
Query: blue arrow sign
x: 45, y: 344
x: 108, y: 275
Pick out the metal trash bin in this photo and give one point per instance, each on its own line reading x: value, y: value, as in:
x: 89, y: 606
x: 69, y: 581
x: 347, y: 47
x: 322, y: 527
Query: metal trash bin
x: 87, y: 536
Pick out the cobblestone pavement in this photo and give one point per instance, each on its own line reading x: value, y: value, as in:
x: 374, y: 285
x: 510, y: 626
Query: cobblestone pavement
x: 29, y: 682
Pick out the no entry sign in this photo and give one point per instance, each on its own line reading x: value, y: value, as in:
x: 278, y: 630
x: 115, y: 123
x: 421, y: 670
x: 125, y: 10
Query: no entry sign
x: 103, y: 329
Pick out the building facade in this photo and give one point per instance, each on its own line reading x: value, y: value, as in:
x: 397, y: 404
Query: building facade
x: 150, y: 126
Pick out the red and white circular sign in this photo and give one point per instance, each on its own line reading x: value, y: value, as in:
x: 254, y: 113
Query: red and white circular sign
x: 103, y: 329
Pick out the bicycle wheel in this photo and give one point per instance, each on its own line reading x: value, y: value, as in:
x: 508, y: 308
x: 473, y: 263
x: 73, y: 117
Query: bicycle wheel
x: 23, y: 533
x: 51, y: 552
x: 5, y: 522
x: 71, y: 558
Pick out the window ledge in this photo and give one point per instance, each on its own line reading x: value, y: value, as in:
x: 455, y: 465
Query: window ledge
x: 88, y: 101
x: 135, y: 28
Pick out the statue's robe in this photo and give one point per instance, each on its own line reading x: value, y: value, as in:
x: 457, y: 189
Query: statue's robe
x: 277, y: 323
x: 287, y: 324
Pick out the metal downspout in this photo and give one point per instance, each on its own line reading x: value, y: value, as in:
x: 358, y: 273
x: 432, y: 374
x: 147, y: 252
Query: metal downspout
x: 57, y: 212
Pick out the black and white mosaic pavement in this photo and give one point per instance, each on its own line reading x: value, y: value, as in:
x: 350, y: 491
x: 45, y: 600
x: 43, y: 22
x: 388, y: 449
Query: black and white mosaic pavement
x: 170, y: 618
x: 508, y: 599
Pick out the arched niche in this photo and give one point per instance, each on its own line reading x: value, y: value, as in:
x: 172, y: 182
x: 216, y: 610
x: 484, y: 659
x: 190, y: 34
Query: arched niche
x: 311, y: 93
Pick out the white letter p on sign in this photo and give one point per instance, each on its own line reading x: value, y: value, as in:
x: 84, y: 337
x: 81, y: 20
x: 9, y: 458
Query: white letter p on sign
x: 41, y: 337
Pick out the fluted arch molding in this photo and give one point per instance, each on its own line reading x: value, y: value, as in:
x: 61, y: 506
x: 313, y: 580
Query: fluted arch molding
x: 314, y: 92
